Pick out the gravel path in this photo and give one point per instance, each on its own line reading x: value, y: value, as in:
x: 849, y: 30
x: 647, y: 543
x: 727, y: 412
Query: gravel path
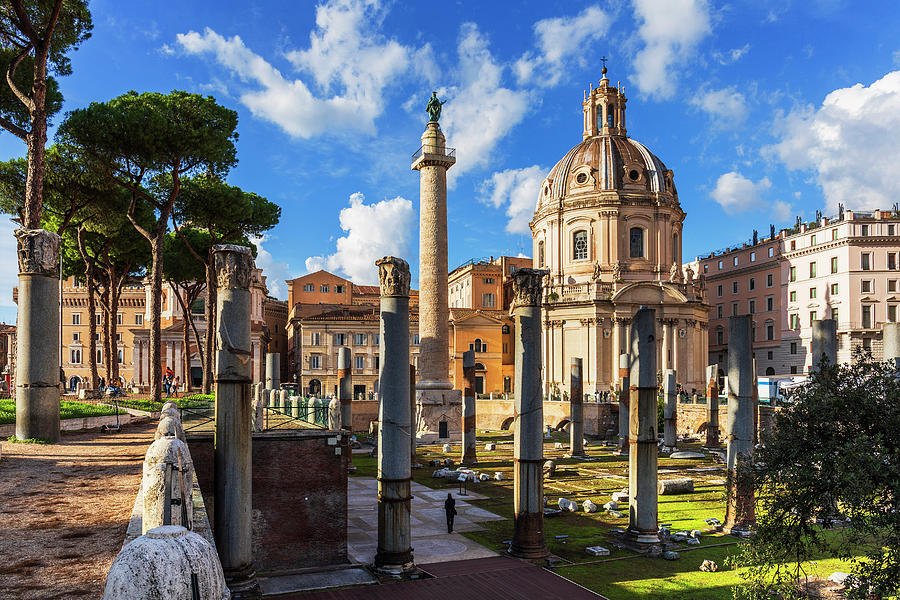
x: 64, y: 509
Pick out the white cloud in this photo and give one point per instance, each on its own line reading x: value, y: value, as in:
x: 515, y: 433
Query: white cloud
x: 735, y: 193
x: 731, y: 56
x: 781, y: 210
x: 558, y: 39
x: 276, y: 272
x: 670, y: 29
x: 849, y: 142
x: 479, y: 112
x: 517, y: 189
x: 727, y: 106
x: 350, y: 64
x: 372, y: 231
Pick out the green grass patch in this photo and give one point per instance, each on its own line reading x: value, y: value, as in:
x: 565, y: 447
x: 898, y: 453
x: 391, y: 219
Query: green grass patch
x: 194, y: 401
x: 14, y: 440
x: 68, y: 409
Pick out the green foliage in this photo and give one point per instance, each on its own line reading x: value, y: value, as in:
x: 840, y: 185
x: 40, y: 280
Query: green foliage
x: 14, y: 440
x: 192, y: 401
x: 140, y: 136
x: 179, y: 265
x: 834, y: 455
x: 73, y: 26
x: 11, y: 108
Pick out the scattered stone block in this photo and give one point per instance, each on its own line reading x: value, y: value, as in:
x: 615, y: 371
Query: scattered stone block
x: 617, y: 530
x: 589, y: 507
x: 448, y: 462
x: 620, y: 496
x: 549, y: 468
x: 597, y: 551
x: 484, y: 477
x: 552, y: 512
x: 696, y: 533
x: 566, y: 504
x: 558, y: 446
x: 687, y: 454
x: 612, y: 505
x: 447, y: 448
x: 160, y: 564
x: 670, y: 555
x: 498, y: 476
x: 693, y: 542
x: 679, y: 536
x: 616, y: 514
x: 169, y: 426
x: 839, y: 577
x: 665, y: 487
x: 490, y: 447
x: 86, y: 394
x: 709, y: 566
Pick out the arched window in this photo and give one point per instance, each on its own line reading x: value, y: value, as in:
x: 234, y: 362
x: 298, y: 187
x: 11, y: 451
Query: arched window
x: 636, y: 239
x: 477, y: 346
x: 540, y: 254
x: 480, y: 367
x: 770, y: 371
x: 579, y: 245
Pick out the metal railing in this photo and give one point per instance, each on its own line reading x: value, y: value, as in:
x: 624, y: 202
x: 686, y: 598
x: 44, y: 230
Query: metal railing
x: 429, y: 149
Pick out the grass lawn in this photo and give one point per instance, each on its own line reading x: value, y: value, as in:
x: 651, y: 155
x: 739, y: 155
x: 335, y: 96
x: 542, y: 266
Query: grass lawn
x: 622, y: 575
x: 68, y: 409
x: 191, y: 401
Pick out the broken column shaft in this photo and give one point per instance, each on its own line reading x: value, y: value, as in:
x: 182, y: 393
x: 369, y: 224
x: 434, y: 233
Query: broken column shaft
x: 469, y: 454
x: 233, y: 441
x: 528, y: 454
x: 824, y: 342
x: 345, y: 388
x: 576, y: 409
x: 712, y: 399
x: 394, y: 552
x: 739, y: 514
x: 273, y: 370
x: 37, y: 343
x: 669, y: 408
x: 624, y: 391
x: 643, y: 525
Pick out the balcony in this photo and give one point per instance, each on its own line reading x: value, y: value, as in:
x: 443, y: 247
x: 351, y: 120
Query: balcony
x: 601, y: 290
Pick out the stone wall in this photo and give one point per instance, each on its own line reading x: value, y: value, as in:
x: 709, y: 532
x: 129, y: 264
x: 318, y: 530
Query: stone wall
x: 691, y: 419
x: 299, y: 496
x: 598, y: 416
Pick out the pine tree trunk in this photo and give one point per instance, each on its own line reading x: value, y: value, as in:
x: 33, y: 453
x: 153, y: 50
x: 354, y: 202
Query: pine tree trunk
x: 156, y: 266
x: 36, y: 142
x: 187, y: 351
x: 92, y: 325
x: 210, y: 323
x: 114, y: 292
x: 106, y: 343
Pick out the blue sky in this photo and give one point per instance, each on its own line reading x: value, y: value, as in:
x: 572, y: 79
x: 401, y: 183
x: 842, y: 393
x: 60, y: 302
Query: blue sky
x: 764, y: 110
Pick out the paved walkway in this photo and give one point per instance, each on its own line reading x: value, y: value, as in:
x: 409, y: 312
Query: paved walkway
x: 479, y: 579
x: 430, y: 541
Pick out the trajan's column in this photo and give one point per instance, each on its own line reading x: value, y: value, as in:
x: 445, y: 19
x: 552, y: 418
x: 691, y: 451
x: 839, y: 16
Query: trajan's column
x: 436, y: 400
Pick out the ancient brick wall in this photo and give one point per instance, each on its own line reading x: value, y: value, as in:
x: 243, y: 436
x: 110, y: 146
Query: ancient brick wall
x: 299, y: 497
x: 691, y: 419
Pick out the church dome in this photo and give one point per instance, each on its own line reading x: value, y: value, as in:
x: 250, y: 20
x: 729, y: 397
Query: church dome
x: 607, y: 160
x: 607, y: 163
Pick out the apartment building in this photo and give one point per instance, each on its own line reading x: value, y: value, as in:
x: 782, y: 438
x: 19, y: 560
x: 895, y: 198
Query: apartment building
x: 845, y: 267
x: 740, y: 281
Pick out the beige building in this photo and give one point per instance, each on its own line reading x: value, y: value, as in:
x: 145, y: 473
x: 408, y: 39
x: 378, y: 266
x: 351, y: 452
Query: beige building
x: 608, y: 227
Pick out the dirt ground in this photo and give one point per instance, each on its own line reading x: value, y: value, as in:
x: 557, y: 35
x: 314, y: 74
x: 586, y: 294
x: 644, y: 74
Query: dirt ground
x: 64, y: 509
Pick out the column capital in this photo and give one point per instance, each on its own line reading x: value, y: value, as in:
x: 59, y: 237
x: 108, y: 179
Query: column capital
x: 38, y: 252
x: 527, y: 286
x: 233, y: 264
x: 393, y: 276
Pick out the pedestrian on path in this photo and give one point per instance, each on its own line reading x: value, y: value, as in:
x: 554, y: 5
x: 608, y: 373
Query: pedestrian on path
x: 450, y: 509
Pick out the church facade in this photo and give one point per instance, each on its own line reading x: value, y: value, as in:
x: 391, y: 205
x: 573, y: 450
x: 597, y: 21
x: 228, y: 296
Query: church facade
x: 608, y: 228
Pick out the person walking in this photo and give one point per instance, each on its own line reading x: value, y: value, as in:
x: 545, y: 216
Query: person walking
x: 175, y: 385
x: 450, y: 509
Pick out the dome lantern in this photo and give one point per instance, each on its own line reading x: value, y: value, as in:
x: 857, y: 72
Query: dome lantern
x: 604, y: 109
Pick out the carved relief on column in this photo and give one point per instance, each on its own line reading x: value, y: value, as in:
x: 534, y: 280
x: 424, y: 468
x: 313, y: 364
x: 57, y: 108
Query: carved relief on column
x: 233, y: 266
x: 527, y: 285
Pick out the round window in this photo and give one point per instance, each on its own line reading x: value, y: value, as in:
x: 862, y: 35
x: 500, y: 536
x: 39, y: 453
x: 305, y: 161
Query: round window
x: 633, y: 175
x: 581, y: 178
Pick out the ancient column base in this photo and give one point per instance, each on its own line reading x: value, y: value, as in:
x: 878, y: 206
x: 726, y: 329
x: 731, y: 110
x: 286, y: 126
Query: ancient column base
x: 243, y: 583
x: 394, y: 563
x: 528, y: 539
x: 434, y: 406
x: 640, y: 540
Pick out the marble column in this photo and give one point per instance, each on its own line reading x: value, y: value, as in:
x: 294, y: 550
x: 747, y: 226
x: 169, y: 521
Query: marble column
x: 345, y: 388
x: 712, y: 400
x: 643, y: 524
x: 891, y: 342
x: 434, y: 312
x: 273, y: 370
x: 576, y: 409
x: 394, y: 552
x: 624, y: 391
x: 528, y: 451
x: 469, y: 453
x: 824, y: 342
x: 233, y: 441
x: 739, y: 513
x: 37, y: 333
x: 670, y: 408
x: 413, y: 425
